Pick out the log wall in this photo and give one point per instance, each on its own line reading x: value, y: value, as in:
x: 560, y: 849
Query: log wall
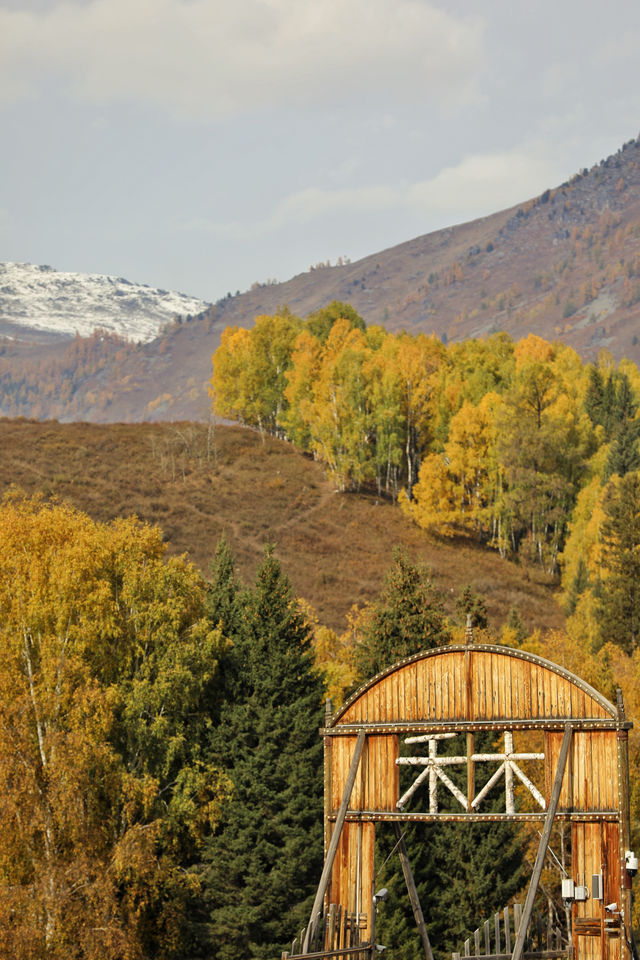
x: 456, y: 687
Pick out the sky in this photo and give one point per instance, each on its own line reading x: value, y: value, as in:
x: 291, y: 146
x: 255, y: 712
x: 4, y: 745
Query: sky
x: 203, y: 145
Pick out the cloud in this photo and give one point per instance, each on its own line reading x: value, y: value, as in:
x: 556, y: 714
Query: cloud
x: 479, y: 185
x: 210, y: 58
x: 483, y: 183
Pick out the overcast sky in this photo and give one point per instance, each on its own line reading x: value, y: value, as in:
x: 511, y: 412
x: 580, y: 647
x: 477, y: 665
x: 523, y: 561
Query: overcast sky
x: 201, y: 145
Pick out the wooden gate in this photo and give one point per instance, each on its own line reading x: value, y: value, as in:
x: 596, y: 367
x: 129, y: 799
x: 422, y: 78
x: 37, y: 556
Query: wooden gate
x: 578, y: 773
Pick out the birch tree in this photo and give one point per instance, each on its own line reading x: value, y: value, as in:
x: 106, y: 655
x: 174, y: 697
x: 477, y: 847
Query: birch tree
x: 107, y: 661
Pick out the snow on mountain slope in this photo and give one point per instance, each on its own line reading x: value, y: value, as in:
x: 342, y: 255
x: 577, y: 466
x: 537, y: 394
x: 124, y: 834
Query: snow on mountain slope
x: 42, y: 298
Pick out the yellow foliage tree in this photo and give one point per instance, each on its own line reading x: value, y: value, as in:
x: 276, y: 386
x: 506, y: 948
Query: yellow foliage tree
x: 336, y: 411
x: 249, y: 370
x: 107, y: 657
x: 457, y: 490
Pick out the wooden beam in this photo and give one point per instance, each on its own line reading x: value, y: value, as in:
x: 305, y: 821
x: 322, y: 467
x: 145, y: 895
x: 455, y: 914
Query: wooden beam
x: 544, y: 843
x: 388, y: 816
x: 335, y: 838
x: 413, y: 893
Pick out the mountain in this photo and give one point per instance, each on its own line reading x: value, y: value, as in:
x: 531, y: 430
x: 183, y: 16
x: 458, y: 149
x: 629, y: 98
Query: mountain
x: 564, y: 265
x: 39, y: 303
x: 198, y: 481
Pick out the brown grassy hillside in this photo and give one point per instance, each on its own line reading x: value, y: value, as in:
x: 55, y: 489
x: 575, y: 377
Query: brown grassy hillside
x: 196, y: 485
x: 564, y: 265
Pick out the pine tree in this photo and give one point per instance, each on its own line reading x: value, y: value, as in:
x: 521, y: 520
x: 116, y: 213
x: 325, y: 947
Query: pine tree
x: 594, y: 399
x: 623, y: 455
x: 478, y: 868
x: 515, y: 624
x: 472, y: 603
x: 224, y: 594
x: 619, y: 601
x: 263, y: 864
x: 407, y: 618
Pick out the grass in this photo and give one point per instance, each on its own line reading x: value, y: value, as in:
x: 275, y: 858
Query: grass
x: 196, y: 484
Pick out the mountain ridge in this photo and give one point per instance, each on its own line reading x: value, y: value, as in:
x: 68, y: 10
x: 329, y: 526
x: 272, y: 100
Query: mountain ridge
x: 564, y: 265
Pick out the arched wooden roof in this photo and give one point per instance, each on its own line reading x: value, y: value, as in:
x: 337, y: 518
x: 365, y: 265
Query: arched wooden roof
x: 475, y: 682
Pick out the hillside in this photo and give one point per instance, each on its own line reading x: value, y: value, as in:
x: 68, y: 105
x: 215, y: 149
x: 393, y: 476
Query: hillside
x: 564, y: 265
x: 197, y: 483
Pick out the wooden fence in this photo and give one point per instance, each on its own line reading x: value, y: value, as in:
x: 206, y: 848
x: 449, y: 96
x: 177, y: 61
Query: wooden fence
x: 337, y: 933
x: 494, y: 940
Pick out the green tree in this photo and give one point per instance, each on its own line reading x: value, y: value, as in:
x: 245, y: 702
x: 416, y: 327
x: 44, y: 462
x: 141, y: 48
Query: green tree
x: 623, y: 454
x: 408, y: 617
x: 262, y: 866
x: 223, y: 594
x: 619, y: 601
x: 478, y: 868
x: 320, y: 323
x: 609, y: 399
x: 471, y: 603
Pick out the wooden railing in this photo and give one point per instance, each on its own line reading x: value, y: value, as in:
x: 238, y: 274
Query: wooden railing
x: 495, y: 940
x: 337, y: 933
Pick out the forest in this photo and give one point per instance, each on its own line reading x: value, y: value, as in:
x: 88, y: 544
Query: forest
x: 517, y: 445
x: 159, y: 753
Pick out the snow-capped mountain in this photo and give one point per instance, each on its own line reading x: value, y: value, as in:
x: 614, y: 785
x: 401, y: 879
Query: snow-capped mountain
x: 48, y: 300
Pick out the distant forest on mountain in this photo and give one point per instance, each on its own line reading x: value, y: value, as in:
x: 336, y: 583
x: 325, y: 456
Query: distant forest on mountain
x: 564, y: 266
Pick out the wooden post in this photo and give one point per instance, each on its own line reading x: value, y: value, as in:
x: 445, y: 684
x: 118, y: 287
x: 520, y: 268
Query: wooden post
x: 327, y: 746
x: 471, y: 771
x: 544, y: 843
x: 622, y: 737
x: 335, y: 838
x: 413, y: 893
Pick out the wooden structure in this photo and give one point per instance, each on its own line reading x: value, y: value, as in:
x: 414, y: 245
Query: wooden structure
x: 496, y: 938
x: 576, y: 771
x: 337, y: 933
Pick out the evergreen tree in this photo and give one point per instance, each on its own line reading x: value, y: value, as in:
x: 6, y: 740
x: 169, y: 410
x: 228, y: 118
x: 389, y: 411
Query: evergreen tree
x: 263, y: 864
x: 478, y: 868
x: 619, y: 601
x: 514, y: 623
x: 594, y: 399
x: 464, y: 872
x: 609, y: 402
x: 609, y: 413
x: 224, y: 594
x: 407, y: 618
x: 471, y: 603
x: 623, y: 455
x: 626, y: 403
